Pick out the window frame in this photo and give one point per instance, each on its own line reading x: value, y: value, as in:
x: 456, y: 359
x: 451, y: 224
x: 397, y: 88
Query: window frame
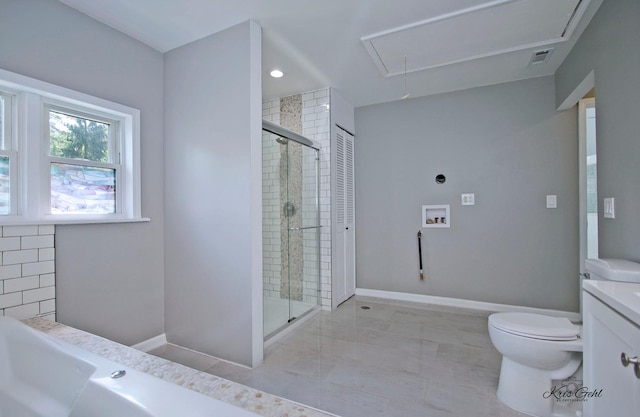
x: 9, y: 149
x: 115, y: 139
x: 33, y: 98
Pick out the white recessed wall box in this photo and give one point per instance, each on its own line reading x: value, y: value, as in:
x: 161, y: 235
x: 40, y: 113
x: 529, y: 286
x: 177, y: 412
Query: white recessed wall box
x: 436, y: 216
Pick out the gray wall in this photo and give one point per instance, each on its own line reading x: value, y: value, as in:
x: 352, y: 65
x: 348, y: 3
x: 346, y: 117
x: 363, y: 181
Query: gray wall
x: 609, y: 48
x: 213, y: 202
x: 507, y: 144
x: 109, y: 277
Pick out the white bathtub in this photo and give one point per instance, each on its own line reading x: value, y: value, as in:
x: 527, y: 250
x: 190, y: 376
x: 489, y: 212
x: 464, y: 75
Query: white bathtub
x: 42, y: 376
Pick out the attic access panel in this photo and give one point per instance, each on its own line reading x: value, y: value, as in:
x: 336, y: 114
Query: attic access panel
x: 487, y: 29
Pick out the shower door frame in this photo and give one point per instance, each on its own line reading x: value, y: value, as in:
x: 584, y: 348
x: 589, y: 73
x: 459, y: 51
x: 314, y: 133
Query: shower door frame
x: 305, y: 143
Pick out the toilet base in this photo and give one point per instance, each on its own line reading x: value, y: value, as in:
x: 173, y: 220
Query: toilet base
x: 528, y: 390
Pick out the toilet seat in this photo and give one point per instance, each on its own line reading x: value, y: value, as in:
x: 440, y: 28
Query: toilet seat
x: 536, y: 326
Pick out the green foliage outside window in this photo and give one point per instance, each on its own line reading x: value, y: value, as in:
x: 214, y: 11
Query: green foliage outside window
x: 78, y: 138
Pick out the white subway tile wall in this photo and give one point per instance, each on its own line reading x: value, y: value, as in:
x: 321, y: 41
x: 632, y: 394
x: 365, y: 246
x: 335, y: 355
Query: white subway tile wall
x: 271, y: 249
x: 315, y: 126
x: 310, y: 237
x: 27, y: 271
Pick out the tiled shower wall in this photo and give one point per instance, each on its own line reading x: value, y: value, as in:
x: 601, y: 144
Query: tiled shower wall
x: 271, y: 223
x: 315, y: 126
x: 27, y: 271
x: 294, y: 243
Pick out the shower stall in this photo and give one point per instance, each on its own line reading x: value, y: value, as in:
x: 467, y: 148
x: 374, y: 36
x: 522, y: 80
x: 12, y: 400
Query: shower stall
x: 291, y: 227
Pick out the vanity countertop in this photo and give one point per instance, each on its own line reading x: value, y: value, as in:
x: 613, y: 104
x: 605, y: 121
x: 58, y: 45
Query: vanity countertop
x: 230, y: 392
x: 624, y: 297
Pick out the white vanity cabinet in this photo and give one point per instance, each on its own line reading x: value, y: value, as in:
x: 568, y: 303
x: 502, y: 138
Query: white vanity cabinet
x: 608, y: 334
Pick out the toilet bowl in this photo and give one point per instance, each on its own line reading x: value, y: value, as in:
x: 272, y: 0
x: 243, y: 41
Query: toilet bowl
x: 536, y: 350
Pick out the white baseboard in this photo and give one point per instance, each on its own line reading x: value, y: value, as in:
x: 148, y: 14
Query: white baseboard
x: 461, y: 303
x: 150, y: 344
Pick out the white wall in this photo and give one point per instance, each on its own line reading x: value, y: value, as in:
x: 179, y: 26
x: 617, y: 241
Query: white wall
x: 213, y: 174
x: 609, y: 48
x: 109, y: 278
x: 507, y: 144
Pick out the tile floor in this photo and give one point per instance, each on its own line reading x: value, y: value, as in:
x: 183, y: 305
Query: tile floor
x: 394, y: 359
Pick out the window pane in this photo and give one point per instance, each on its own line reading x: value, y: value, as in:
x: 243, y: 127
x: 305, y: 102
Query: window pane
x: 5, y: 187
x: 77, y: 189
x: 2, y: 123
x: 78, y: 137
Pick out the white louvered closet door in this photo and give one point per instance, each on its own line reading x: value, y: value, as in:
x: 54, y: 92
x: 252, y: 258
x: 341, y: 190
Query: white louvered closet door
x: 345, y: 218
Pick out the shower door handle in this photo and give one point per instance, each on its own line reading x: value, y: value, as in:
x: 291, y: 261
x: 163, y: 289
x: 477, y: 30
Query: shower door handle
x: 305, y: 228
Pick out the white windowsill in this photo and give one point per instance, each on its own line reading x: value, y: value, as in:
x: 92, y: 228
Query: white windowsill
x: 59, y: 221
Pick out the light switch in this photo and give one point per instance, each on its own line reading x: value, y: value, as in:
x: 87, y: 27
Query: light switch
x: 609, y: 208
x: 468, y: 199
x: 552, y: 201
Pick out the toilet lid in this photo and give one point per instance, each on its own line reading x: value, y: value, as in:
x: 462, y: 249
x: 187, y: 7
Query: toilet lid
x: 537, y: 326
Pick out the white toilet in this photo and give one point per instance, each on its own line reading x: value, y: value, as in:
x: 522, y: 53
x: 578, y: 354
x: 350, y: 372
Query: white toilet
x: 538, y: 349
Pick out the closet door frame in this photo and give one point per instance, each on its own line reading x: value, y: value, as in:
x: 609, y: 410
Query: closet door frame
x: 343, y: 228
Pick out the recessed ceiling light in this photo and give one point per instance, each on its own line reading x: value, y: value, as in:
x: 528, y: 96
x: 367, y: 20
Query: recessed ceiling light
x: 276, y: 73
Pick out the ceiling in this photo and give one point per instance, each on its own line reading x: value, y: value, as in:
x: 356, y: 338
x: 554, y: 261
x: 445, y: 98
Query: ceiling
x: 371, y: 51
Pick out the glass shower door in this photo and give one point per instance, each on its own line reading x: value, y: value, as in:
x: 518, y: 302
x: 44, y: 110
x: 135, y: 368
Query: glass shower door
x: 291, y: 231
x: 302, y: 211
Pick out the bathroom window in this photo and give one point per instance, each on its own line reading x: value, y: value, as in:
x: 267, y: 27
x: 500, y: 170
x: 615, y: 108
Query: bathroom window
x: 83, y: 162
x: 74, y: 159
x: 7, y: 156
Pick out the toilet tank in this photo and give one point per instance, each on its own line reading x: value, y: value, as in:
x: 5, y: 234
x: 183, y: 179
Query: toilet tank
x: 613, y: 270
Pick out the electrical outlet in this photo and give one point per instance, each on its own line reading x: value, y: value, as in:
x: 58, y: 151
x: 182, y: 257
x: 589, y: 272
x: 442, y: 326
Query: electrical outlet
x: 468, y: 199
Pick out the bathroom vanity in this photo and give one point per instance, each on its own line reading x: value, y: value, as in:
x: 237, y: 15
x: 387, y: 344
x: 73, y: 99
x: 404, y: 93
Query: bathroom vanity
x: 611, y: 383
